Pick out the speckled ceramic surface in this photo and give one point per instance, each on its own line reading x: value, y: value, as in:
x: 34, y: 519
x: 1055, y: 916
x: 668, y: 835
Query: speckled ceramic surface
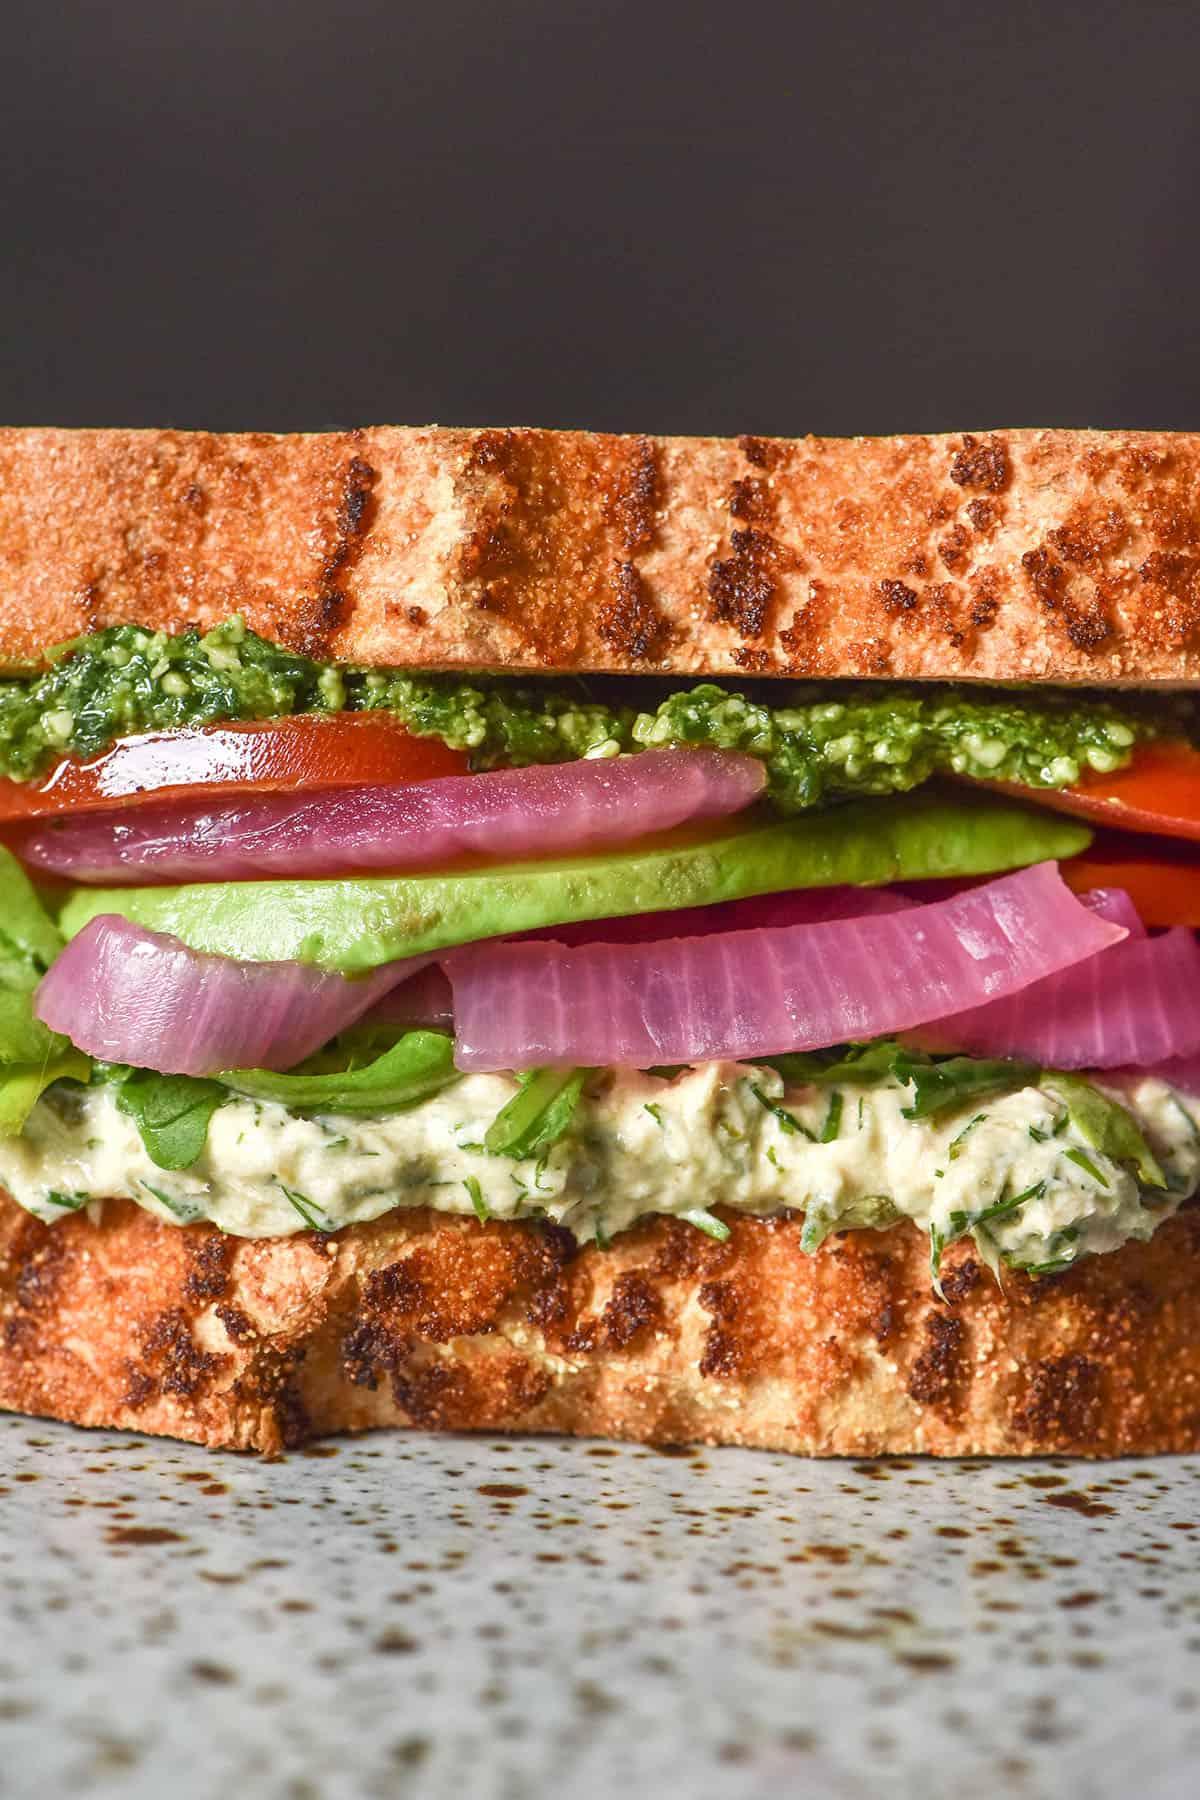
x: 396, y: 1616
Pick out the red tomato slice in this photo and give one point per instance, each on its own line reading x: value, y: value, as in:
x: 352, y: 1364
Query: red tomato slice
x: 1159, y: 791
x: 1162, y: 880
x: 311, y: 751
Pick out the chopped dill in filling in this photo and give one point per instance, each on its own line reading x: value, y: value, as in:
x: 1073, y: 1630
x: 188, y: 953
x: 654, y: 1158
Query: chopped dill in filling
x: 820, y: 742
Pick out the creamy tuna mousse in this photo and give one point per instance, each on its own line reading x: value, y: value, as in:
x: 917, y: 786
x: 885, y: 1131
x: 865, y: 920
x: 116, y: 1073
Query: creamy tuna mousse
x: 1014, y: 1171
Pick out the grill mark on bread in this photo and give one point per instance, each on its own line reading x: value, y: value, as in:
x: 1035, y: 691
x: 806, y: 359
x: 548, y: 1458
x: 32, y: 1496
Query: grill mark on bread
x: 938, y: 1371
x: 327, y: 611
x: 208, y: 1276
x: 982, y: 464
x: 1061, y: 1401
x: 630, y: 623
x: 172, y: 1362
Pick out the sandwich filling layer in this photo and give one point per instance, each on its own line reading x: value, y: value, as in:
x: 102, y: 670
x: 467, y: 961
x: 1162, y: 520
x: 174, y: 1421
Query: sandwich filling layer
x: 409, y: 939
x: 1016, y: 1173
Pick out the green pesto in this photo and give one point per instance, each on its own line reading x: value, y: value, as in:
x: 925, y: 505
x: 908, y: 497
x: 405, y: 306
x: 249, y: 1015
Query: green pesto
x: 820, y: 742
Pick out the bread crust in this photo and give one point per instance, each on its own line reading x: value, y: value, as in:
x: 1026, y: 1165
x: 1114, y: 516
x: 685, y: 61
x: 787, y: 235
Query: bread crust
x: 1067, y: 556
x: 442, y: 1324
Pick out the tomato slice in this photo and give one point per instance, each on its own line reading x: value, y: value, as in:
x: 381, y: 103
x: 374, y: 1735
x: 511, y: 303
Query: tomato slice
x: 1162, y: 880
x: 310, y: 751
x: 1158, y: 791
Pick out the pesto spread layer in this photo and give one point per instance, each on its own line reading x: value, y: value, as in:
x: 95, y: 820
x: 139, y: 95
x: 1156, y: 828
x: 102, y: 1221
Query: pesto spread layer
x: 1020, y: 1172
x: 820, y: 742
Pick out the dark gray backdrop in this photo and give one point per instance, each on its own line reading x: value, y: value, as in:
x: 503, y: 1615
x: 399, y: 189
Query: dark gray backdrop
x: 855, y: 217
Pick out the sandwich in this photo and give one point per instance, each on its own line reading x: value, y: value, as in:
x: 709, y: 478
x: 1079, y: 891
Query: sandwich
x: 683, y: 940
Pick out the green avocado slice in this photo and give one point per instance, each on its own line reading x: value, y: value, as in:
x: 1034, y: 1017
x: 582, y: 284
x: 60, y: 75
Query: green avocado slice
x: 355, y: 924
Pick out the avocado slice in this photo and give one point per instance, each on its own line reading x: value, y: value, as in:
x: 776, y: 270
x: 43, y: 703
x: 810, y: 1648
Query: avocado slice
x: 355, y: 924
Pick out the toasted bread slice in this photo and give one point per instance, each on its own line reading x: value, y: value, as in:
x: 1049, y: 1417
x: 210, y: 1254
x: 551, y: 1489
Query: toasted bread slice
x: 439, y: 1323
x: 1069, y: 556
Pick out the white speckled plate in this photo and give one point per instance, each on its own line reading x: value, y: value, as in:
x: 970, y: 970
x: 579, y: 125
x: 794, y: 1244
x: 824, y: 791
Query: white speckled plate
x: 475, y: 1618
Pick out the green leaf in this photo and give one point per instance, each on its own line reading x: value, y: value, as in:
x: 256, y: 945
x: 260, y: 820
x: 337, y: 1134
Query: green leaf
x: 538, y: 1115
x: 938, y: 1086
x: 1105, y: 1125
x: 419, y: 1065
x: 27, y: 932
x: 860, y: 1063
x: 29, y: 943
x: 171, y: 1112
x: 23, y: 1084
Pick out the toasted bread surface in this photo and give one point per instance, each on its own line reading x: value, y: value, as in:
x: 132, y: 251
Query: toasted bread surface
x: 442, y: 1324
x: 1068, y: 556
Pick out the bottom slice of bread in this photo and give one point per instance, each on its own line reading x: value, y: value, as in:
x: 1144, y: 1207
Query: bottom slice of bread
x: 440, y: 1323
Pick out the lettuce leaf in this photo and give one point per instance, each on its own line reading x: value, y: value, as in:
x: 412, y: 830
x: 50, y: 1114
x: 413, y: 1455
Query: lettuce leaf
x: 29, y: 943
x: 419, y: 1065
x: 171, y: 1112
x: 23, y: 1084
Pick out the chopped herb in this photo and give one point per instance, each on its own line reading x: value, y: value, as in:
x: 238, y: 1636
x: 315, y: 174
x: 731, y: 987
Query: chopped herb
x: 962, y: 1222
x: 870, y: 1212
x: 656, y: 1113
x: 310, y: 1213
x: 937, y: 1244
x: 182, y: 1209
x: 1083, y: 1161
x: 538, y: 1113
x: 68, y: 1202
x: 483, y: 1211
x: 1058, y: 1259
x: 1185, y: 1115
x: 1039, y: 1137
x: 707, y: 1222
x: 773, y: 1159
x: 833, y: 1118
x: 539, y: 1170
x: 1105, y: 1125
x: 788, y: 1121
x: 956, y: 1144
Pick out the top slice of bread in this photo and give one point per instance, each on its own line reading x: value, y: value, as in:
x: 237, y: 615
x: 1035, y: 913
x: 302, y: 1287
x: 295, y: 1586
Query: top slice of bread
x: 1067, y: 556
